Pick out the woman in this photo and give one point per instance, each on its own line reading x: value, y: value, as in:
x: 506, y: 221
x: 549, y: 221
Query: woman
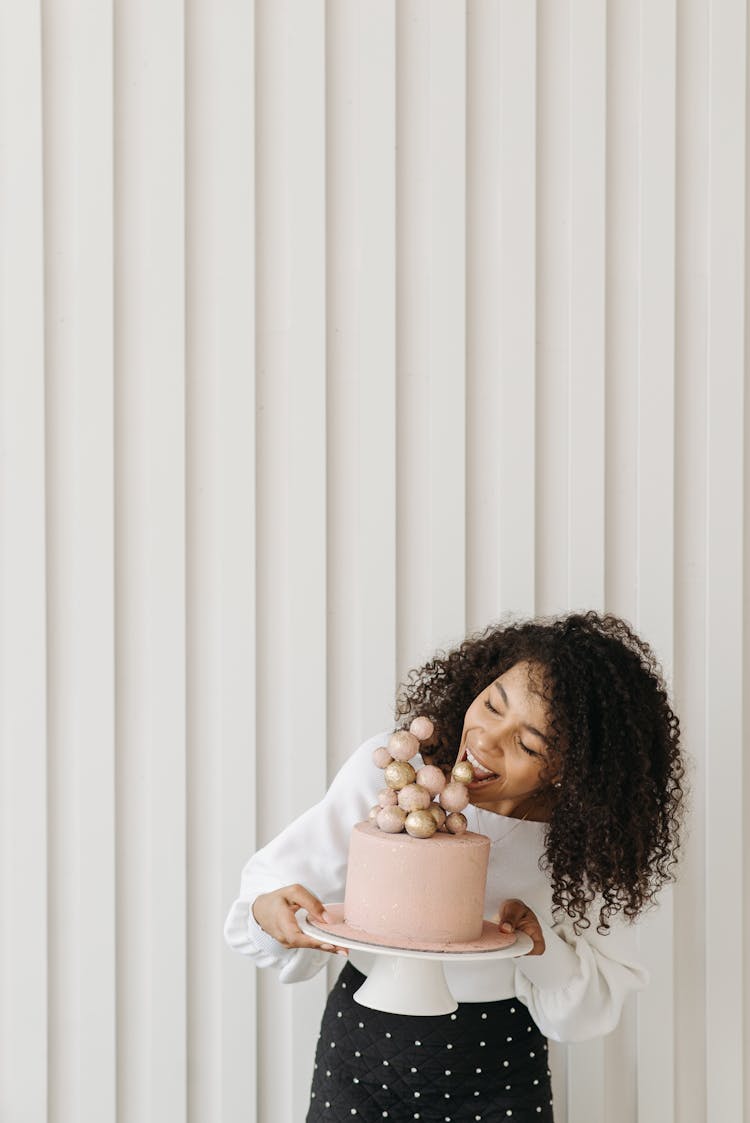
x: 578, y: 784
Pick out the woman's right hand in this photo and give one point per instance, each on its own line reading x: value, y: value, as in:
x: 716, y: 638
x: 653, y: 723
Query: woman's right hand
x: 275, y: 913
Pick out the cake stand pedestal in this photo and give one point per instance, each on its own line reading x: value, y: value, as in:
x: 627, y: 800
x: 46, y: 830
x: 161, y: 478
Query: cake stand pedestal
x: 404, y: 981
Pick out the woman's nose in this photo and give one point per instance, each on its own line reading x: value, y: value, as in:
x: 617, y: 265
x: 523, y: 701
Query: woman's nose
x: 490, y: 739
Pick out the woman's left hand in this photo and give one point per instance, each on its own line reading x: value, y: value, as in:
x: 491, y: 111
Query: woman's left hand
x: 515, y: 916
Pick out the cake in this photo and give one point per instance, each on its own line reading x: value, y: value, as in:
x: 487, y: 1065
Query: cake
x: 416, y: 876
x: 407, y: 892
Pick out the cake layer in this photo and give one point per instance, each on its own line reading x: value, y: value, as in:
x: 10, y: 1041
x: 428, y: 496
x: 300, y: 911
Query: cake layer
x: 400, y: 887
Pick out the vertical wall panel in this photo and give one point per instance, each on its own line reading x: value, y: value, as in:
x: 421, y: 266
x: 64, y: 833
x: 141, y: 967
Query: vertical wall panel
x: 220, y: 467
x: 725, y: 363
x: 447, y: 333
x: 23, y: 753
x: 691, y: 510
x: 376, y: 174
x: 745, y: 715
x: 485, y: 419
x: 80, y: 550
x: 745, y: 711
x: 292, y: 482
x: 150, y: 542
x: 553, y: 306
x: 500, y: 391
x: 622, y: 259
x: 655, y: 526
x: 515, y: 304
x: 431, y: 331
x: 360, y: 205
x: 588, y: 100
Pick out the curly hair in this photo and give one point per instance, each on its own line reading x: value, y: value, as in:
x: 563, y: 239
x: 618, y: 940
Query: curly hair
x: 614, y: 741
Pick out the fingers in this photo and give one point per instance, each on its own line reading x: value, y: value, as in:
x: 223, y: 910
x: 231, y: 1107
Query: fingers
x: 299, y: 897
x: 296, y: 897
x: 516, y: 916
x: 302, y: 898
x: 512, y: 912
x: 277, y: 914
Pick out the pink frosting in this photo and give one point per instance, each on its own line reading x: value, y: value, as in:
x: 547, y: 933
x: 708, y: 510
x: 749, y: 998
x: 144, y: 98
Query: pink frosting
x: 404, y: 888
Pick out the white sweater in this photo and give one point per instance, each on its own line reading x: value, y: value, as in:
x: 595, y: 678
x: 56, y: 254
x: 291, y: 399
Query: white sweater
x: 574, y: 991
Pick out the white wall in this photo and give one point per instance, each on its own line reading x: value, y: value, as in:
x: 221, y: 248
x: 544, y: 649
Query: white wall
x: 328, y: 331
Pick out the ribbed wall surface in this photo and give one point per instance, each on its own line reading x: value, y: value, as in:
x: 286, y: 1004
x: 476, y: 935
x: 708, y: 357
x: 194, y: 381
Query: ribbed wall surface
x: 329, y: 330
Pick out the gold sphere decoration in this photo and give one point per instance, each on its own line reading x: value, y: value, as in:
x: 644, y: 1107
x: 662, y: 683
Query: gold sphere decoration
x: 463, y: 772
x: 398, y: 774
x: 420, y: 824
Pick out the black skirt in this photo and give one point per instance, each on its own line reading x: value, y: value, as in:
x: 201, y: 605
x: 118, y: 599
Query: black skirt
x: 486, y: 1061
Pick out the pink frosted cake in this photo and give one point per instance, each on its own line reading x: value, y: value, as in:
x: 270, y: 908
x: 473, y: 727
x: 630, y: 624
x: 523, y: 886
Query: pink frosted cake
x: 416, y: 877
x: 406, y: 891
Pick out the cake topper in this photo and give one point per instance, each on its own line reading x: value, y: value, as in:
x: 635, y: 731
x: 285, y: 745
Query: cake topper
x: 418, y: 802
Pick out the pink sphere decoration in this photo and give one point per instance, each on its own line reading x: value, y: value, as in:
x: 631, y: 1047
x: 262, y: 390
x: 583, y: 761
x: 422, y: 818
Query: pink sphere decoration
x: 403, y: 745
x: 456, y: 823
x: 422, y: 728
x: 374, y: 812
x: 454, y: 796
x: 381, y: 757
x: 432, y: 778
x: 387, y: 797
x: 414, y: 798
x: 391, y: 819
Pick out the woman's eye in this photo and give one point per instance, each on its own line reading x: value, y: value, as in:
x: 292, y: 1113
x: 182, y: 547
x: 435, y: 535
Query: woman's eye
x: 526, y: 749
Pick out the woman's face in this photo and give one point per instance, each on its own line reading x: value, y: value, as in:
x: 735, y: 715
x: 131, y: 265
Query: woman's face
x: 504, y: 738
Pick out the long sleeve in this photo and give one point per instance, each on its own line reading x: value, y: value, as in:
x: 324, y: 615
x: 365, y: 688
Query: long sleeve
x: 313, y: 852
x: 577, y: 988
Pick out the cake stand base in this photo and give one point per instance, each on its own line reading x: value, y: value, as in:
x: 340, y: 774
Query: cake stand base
x: 403, y: 981
x: 406, y: 986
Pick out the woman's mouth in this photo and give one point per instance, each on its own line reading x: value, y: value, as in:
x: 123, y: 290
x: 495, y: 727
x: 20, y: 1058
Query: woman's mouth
x: 482, y: 775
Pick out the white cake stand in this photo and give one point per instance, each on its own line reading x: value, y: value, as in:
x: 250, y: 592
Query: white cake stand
x: 403, y: 981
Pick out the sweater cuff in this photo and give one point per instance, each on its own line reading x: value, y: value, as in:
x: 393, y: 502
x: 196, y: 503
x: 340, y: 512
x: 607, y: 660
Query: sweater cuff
x: 555, y: 967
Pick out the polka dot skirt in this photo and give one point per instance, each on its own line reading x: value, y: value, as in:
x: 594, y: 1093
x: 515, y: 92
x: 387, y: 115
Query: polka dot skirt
x: 487, y: 1061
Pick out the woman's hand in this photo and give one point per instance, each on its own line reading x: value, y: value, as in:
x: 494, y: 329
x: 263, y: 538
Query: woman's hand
x: 275, y: 912
x: 515, y: 916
